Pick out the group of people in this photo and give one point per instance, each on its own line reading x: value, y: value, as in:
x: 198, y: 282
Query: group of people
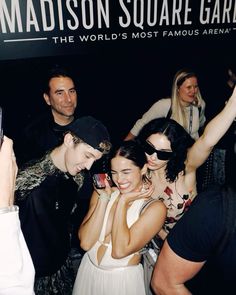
x: 155, y: 165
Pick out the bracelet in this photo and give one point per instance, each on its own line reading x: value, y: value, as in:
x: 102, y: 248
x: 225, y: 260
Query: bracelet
x: 104, y: 196
x: 8, y: 209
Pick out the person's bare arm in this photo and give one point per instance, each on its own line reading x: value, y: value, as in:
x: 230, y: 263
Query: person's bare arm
x: 127, y: 240
x: 91, y: 226
x: 213, y: 132
x: 171, y: 272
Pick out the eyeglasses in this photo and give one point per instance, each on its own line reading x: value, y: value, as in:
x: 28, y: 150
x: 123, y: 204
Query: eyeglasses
x: 161, y: 155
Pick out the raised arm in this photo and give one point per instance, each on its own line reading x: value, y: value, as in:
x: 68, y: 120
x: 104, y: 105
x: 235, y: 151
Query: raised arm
x: 91, y: 226
x: 213, y: 132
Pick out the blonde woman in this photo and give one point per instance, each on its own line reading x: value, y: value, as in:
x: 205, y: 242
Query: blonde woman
x: 185, y: 106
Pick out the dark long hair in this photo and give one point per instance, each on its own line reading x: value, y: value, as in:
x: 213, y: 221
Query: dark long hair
x: 131, y: 150
x: 179, y: 139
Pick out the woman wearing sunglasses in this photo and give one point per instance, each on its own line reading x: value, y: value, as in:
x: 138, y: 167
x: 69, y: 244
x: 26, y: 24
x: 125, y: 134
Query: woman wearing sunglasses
x: 173, y: 158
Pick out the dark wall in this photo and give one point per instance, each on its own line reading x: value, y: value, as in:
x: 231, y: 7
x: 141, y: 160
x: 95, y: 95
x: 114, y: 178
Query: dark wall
x: 117, y: 86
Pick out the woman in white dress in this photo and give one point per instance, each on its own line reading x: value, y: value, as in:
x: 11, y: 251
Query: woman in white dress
x: 113, y: 231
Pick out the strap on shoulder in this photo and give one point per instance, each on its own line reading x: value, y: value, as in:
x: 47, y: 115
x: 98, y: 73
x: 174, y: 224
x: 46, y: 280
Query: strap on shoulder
x: 146, y: 204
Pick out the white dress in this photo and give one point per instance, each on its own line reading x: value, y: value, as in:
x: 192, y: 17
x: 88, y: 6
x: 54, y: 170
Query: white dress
x: 111, y: 276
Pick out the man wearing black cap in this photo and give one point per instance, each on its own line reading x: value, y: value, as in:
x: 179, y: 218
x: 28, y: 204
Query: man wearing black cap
x: 45, y: 193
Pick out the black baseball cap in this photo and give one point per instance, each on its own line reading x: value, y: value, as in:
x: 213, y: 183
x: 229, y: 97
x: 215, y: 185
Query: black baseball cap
x: 91, y: 131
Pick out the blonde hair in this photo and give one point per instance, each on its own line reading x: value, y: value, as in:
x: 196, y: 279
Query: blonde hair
x: 177, y: 109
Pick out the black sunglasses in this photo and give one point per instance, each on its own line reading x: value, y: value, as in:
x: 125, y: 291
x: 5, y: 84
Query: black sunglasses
x: 161, y: 155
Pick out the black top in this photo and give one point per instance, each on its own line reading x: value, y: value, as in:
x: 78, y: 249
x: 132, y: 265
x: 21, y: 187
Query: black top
x: 41, y: 135
x: 46, y: 197
x: 196, y: 237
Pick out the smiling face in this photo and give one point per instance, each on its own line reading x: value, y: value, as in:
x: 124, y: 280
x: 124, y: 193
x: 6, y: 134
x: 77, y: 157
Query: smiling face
x: 187, y: 91
x: 126, y: 175
x: 62, y: 98
x: 159, y: 142
x: 79, y: 156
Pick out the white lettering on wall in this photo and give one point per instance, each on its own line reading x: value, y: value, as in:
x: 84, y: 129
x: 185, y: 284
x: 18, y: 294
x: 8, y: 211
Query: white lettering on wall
x: 13, y: 20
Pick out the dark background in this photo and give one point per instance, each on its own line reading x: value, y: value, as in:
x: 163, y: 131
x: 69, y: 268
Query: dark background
x: 118, y: 85
x: 118, y: 81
